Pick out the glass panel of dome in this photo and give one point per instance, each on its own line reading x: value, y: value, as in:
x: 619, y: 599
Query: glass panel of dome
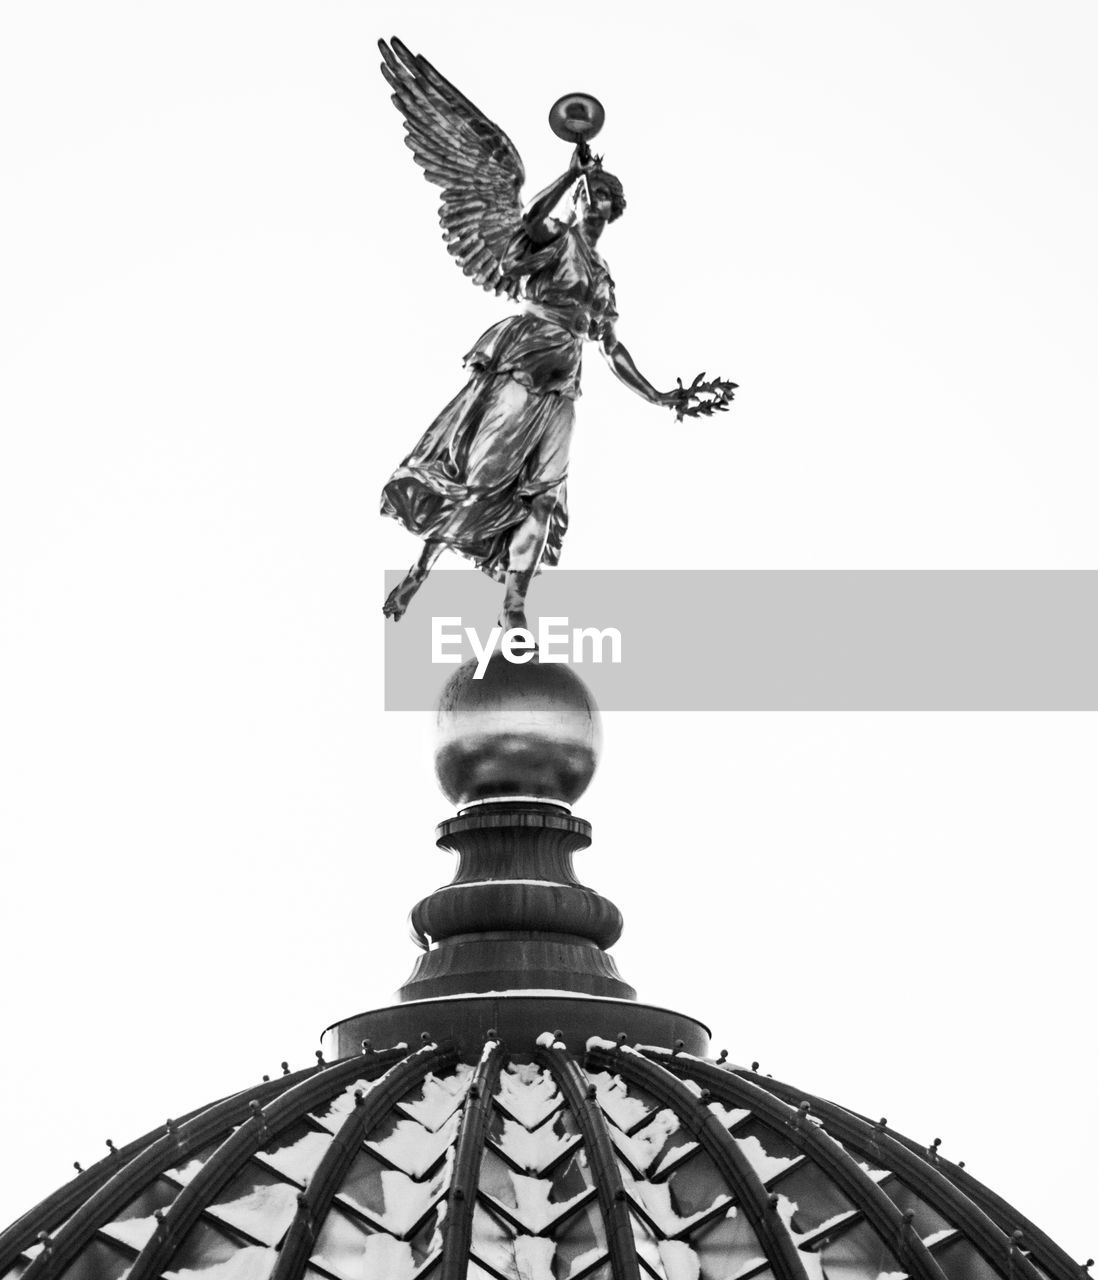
x: 495, y: 1179
x: 135, y: 1233
x: 17, y: 1270
x: 534, y: 1202
x: 250, y: 1263
x: 626, y: 1105
x: 258, y: 1203
x: 297, y: 1151
x: 726, y: 1247
x: 816, y: 1197
x: 135, y: 1224
x: 680, y: 1262
x: 960, y: 1261
x: 528, y: 1093
x: 377, y: 1255
x: 388, y: 1196
x: 868, y: 1166
x: 768, y: 1152
x: 535, y: 1150
x: 341, y: 1244
x: 654, y: 1202
x: 655, y: 1144
x: 580, y: 1240
x: 436, y: 1100
x: 671, y: 1215
x: 571, y: 1179
x: 493, y: 1242
x: 697, y: 1186
x: 926, y: 1221
x: 647, y: 1245
x: 478, y: 1272
x: 427, y: 1239
x: 186, y: 1169
x: 332, y: 1114
x: 730, y: 1117
x: 361, y: 1184
x: 858, y: 1254
x: 602, y: 1272
x: 99, y: 1261
x: 205, y: 1246
x: 409, y: 1146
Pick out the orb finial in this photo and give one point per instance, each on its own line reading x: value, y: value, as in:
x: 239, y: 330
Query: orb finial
x: 526, y: 731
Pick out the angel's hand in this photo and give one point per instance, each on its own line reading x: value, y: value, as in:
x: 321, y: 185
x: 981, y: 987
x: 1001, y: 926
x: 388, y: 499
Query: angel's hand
x: 582, y: 160
x: 700, y: 398
x: 671, y: 399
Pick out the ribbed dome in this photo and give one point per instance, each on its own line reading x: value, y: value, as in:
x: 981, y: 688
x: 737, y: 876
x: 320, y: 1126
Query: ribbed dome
x: 516, y: 1153
x: 596, y: 1162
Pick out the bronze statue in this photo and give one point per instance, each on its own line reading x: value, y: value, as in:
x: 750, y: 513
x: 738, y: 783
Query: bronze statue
x: 488, y: 477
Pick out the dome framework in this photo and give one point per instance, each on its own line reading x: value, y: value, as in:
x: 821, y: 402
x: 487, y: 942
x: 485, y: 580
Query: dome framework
x: 518, y: 1152
x: 597, y: 1162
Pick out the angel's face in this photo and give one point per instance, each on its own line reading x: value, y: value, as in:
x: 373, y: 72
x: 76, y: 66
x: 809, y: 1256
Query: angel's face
x: 596, y: 201
x: 602, y: 203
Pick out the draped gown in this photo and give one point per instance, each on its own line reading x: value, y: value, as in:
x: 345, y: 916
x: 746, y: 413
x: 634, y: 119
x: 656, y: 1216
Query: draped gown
x: 503, y: 440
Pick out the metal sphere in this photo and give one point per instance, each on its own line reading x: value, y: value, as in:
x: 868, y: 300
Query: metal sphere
x: 577, y: 117
x: 529, y: 730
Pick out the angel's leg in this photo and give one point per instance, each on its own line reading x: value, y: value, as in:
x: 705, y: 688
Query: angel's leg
x: 524, y: 556
x: 401, y: 595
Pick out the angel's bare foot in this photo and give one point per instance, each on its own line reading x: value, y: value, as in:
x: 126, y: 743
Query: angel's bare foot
x: 400, y: 598
x: 401, y: 595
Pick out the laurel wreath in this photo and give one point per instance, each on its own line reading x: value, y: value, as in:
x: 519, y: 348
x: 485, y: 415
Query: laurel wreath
x: 701, y: 399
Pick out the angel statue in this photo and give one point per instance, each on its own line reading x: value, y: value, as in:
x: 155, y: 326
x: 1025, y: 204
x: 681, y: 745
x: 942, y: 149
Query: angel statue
x: 488, y: 477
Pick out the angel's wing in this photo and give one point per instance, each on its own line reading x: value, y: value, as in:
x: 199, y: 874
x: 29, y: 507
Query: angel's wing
x: 469, y: 157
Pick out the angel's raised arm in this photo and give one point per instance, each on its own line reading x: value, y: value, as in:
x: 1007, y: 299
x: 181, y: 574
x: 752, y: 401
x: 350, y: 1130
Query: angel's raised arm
x: 538, y: 221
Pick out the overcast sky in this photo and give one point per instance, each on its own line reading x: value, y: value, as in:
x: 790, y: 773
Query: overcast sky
x: 226, y: 314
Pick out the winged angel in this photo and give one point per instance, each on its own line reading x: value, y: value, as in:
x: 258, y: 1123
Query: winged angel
x: 488, y: 477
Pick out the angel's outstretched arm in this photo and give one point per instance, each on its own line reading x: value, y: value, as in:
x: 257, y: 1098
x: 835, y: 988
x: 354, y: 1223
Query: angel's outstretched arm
x: 624, y: 368
x: 700, y: 399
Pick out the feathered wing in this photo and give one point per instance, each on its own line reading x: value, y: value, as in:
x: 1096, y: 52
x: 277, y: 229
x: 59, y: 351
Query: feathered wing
x: 469, y: 157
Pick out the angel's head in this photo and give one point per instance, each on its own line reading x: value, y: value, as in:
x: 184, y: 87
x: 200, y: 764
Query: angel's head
x: 602, y: 195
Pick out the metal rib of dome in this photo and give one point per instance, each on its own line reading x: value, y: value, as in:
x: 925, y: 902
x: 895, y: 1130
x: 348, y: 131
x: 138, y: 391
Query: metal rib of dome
x: 527, y: 1162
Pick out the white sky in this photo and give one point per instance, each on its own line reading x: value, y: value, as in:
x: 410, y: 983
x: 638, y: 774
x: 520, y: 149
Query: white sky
x: 226, y: 314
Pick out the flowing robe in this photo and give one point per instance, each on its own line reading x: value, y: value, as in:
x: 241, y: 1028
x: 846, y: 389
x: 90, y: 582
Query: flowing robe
x: 503, y: 440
